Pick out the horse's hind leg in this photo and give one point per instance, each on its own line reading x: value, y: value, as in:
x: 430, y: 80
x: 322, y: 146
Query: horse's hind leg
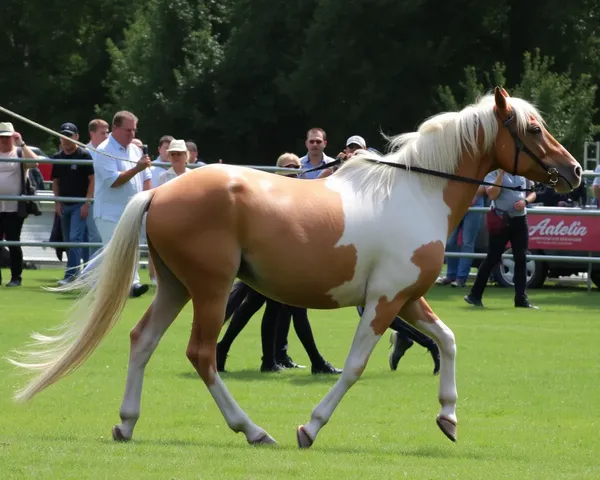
x: 171, y: 297
x: 209, y: 309
x: 419, y: 314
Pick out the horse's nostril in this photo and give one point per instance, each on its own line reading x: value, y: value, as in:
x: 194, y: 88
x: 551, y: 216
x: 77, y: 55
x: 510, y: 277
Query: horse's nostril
x: 578, y: 171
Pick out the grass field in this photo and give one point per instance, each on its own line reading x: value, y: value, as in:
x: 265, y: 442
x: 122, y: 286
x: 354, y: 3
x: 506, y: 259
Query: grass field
x: 529, y: 400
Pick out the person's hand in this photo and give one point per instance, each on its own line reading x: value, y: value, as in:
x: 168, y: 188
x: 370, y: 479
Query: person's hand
x: 58, y: 208
x: 84, y: 210
x: 520, y: 205
x: 143, y: 163
x: 18, y: 139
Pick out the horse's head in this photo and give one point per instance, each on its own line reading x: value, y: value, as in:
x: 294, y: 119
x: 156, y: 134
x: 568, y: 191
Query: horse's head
x: 524, y: 147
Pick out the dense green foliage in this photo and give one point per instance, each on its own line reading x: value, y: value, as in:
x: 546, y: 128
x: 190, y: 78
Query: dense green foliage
x: 245, y: 79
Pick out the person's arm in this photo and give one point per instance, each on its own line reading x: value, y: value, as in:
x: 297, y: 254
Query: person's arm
x: 55, y: 190
x: 494, y: 192
x: 85, y: 208
x: 142, y: 164
x: 25, y: 150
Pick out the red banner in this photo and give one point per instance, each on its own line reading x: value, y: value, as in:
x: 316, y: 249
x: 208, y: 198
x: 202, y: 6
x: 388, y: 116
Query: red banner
x: 561, y: 232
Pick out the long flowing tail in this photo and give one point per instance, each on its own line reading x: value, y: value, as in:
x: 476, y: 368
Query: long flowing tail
x: 95, y: 313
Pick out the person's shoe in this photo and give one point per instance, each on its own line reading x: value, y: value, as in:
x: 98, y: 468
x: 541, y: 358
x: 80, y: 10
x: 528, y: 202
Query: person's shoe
x: 526, y: 304
x: 271, y: 367
x: 434, y: 351
x: 64, y: 281
x: 287, y: 362
x: 471, y: 300
x: 138, y: 289
x: 15, y: 282
x: 221, y: 358
x: 458, y: 283
x: 443, y: 281
x: 399, y: 347
x: 324, y: 367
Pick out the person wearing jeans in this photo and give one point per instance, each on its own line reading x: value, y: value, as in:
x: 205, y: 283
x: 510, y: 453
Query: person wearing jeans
x: 511, y: 206
x: 457, y: 271
x: 72, y: 181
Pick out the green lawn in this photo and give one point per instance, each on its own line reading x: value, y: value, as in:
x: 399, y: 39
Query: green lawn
x: 529, y: 399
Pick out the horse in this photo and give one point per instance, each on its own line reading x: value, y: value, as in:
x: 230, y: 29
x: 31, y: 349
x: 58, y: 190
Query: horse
x: 370, y: 234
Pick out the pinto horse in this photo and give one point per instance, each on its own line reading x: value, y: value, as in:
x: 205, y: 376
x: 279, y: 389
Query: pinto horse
x: 370, y: 234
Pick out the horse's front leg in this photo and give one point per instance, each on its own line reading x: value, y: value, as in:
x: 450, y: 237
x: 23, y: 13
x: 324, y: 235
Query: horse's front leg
x: 419, y: 314
x: 374, y: 321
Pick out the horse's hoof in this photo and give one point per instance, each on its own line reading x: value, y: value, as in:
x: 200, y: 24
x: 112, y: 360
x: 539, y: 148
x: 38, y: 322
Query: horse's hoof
x: 264, y: 439
x: 118, y: 435
x: 447, y: 426
x: 304, y: 441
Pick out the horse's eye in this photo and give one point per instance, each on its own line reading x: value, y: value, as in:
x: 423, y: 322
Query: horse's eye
x: 534, y: 130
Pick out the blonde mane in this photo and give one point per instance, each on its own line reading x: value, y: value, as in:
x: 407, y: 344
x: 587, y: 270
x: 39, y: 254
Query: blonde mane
x: 436, y: 145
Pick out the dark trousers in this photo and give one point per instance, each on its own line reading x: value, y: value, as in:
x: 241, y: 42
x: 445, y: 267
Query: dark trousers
x: 244, y: 302
x: 407, y: 331
x: 299, y: 316
x: 517, y: 232
x: 10, y: 228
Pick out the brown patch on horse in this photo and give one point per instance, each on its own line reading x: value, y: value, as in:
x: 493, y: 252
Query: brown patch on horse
x: 135, y: 333
x: 419, y: 309
x: 283, y: 230
x: 429, y: 259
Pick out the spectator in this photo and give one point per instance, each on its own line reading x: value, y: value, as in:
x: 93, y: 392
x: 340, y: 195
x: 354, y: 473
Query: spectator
x: 353, y: 144
x: 507, y: 221
x: 316, y: 141
x: 72, y: 181
x: 178, y: 156
x: 193, y: 150
x: 117, y: 180
x: 155, y: 171
x: 458, y: 269
x: 12, y: 179
x: 98, y: 132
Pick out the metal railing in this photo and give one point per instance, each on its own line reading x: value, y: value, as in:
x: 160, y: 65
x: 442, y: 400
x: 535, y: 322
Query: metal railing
x: 48, y: 197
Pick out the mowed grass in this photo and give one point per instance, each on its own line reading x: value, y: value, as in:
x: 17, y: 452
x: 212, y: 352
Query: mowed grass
x: 528, y: 384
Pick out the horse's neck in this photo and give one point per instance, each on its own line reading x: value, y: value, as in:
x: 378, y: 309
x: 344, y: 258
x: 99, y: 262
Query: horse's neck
x: 459, y: 195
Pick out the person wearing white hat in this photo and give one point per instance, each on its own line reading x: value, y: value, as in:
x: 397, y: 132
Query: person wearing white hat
x: 178, y: 155
x: 353, y: 144
x: 12, y: 213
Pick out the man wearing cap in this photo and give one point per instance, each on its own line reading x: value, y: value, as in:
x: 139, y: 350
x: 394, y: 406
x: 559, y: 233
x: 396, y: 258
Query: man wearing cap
x: 316, y: 141
x: 11, y: 216
x: 118, y: 178
x: 354, y: 143
x: 72, y: 181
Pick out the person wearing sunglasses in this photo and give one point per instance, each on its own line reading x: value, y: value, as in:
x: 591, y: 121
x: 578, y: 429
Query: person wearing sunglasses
x: 316, y: 141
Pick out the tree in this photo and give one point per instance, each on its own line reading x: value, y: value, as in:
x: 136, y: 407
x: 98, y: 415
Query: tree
x: 567, y: 103
x: 163, y: 71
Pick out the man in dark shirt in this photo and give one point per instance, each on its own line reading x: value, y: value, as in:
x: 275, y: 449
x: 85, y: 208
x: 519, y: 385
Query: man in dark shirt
x: 72, y: 181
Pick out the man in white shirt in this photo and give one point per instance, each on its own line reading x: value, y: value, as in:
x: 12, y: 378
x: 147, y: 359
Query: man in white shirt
x: 117, y: 181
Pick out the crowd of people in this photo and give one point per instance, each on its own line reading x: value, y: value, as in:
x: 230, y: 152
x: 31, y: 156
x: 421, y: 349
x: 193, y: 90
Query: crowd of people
x: 122, y: 167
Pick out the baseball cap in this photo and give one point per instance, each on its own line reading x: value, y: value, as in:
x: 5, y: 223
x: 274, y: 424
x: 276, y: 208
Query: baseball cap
x: 358, y: 140
x: 69, y: 129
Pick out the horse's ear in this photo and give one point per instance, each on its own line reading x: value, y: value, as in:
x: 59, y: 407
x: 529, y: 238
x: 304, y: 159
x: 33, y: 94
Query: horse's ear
x: 505, y: 93
x: 500, y: 99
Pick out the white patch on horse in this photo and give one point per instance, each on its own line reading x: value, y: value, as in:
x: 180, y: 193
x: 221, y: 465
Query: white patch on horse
x: 386, y: 235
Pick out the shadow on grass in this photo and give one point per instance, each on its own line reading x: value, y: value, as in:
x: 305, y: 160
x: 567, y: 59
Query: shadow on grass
x: 431, y: 451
